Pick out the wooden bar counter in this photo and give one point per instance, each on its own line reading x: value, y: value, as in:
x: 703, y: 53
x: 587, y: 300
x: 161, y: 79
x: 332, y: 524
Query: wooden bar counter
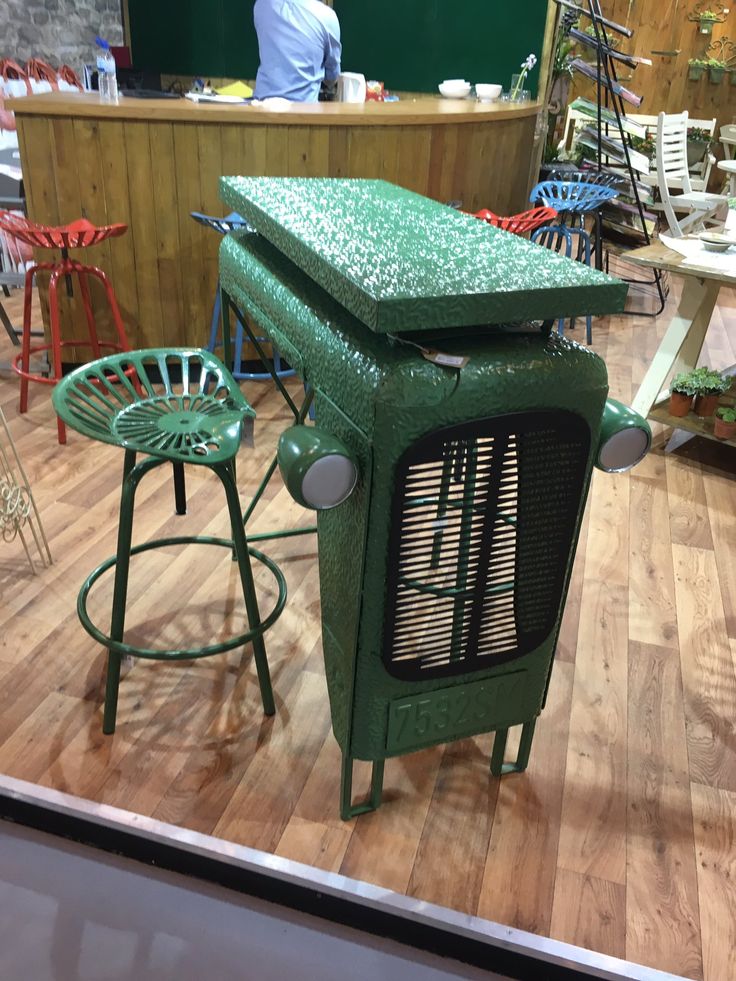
x: 149, y: 163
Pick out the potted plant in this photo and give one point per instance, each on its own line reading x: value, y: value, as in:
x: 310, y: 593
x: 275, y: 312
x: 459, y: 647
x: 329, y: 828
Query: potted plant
x: 706, y: 21
x: 646, y: 145
x: 682, y: 391
x: 724, y: 426
x: 698, y: 144
x: 709, y: 385
x: 695, y: 68
x: 716, y: 70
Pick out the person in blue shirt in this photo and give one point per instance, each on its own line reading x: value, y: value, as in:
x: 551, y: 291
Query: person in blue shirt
x: 299, y: 48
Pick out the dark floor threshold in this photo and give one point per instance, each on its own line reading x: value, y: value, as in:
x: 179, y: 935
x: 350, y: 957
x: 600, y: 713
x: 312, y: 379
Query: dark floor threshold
x: 485, y: 955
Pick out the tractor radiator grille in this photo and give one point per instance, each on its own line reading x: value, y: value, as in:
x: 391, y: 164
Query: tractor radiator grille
x: 483, y: 524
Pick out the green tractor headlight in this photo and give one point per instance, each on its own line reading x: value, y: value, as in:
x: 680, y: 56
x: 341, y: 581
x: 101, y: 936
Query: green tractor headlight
x: 625, y: 438
x: 318, y: 470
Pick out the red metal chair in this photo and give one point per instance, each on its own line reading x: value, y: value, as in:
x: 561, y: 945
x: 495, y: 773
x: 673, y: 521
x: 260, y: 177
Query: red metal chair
x: 527, y: 221
x: 78, y: 235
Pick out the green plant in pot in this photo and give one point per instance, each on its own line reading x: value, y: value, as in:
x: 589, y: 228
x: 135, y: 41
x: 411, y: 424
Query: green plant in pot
x: 698, y: 144
x: 706, y: 21
x: 683, y: 388
x: 695, y: 68
x: 716, y: 70
x: 724, y: 426
x: 645, y: 144
x: 709, y: 386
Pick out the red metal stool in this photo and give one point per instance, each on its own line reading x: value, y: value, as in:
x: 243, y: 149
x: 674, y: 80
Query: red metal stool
x: 78, y: 235
x: 527, y: 221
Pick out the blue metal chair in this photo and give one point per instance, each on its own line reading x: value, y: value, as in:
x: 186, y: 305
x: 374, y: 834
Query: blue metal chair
x: 555, y: 237
x: 602, y: 178
x: 230, y: 223
x: 573, y: 200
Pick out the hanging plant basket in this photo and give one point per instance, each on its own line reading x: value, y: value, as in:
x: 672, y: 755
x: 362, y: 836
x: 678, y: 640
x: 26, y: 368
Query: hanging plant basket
x: 706, y: 25
x: 695, y: 72
x: 716, y: 75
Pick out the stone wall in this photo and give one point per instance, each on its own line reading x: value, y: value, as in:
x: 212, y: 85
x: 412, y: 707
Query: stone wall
x: 59, y: 31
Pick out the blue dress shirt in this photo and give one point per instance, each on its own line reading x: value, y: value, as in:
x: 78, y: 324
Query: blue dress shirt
x: 299, y: 46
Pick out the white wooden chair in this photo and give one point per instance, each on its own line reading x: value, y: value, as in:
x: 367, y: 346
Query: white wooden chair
x: 728, y: 164
x: 699, y: 172
x: 672, y: 171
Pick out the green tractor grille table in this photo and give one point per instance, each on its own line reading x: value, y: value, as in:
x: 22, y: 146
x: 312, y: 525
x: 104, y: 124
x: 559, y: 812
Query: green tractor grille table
x: 457, y: 437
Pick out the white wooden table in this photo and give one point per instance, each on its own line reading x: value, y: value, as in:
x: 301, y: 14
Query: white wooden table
x: 683, y: 341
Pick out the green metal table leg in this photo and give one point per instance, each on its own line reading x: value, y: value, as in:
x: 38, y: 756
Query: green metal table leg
x: 499, y: 748
x: 249, y: 592
x: 498, y: 767
x: 300, y: 413
x: 347, y: 809
x: 120, y: 593
x: 260, y: 490
x: 266, y: 362
x: 525, y: 746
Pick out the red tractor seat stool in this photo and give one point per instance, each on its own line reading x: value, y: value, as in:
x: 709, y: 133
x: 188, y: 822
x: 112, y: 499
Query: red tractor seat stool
x: 527, y: 221
x: 78, y: 235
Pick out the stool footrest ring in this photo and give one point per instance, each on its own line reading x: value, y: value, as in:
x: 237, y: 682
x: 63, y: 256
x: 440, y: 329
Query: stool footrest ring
x: 37, y: 348
x: 118, y: 647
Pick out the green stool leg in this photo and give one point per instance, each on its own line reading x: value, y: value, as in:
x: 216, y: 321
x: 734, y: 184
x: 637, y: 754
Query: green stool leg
x: 180, y: 493
x: 120, y: 593
x: 498, y: 767
x: 234, y: 472
x: 347, y: 810
x: 249, y: 592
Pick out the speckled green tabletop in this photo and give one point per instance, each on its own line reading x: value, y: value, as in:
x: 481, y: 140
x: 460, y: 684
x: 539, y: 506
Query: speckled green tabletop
x: 401, y: 262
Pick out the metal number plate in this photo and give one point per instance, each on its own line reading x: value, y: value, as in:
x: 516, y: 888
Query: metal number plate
x: 460, y: 711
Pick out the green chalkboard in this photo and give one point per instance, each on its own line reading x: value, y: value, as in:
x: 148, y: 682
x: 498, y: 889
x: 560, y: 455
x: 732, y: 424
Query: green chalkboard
x: 411, y: 45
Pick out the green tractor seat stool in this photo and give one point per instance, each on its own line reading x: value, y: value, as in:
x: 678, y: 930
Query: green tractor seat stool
x: 135, y: 400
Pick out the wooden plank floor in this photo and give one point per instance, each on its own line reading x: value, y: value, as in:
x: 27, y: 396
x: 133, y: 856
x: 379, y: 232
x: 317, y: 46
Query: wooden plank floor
x: 620, y: 837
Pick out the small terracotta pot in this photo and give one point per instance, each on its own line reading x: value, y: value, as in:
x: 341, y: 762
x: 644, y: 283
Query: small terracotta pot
x: 724, y: 430
x: 680, y: 404
x: 706, y: 405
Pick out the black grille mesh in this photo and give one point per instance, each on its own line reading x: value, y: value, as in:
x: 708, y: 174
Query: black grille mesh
x: 483, y: 522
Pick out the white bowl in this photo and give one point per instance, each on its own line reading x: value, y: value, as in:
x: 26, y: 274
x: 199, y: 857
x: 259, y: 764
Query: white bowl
x: 455, y: 81
x: 487, y: 92
x: 716, y: 242
x: 455, y: 90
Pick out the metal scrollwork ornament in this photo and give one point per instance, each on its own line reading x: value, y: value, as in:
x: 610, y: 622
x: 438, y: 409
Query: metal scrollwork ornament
x: 18, y: 511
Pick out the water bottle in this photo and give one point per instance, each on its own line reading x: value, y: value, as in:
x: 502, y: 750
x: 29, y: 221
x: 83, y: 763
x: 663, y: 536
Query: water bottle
x: 107, y: 80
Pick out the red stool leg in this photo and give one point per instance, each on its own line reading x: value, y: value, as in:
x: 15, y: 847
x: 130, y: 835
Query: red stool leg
x: 115, y: 310
x: 26, y: 339
x: 56, y: 339
x: 88, y: 311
